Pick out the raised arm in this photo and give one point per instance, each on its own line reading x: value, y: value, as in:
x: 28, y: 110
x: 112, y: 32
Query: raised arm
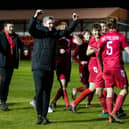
x: 38, y: 12
x: 71, y: 26
x: 34, y: 26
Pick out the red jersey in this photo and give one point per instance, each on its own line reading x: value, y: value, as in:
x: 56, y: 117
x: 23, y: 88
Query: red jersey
x: 112, y: 44
x: 92, y: 61
x: 96, y: 46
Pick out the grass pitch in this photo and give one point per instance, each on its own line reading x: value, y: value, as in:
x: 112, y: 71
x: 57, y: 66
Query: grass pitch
x: 23, y: 116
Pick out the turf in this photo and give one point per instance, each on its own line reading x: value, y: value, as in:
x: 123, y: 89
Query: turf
x: 22, y: 116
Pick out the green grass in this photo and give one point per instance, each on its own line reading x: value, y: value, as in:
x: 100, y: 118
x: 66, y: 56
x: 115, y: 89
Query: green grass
x: 23, y: 116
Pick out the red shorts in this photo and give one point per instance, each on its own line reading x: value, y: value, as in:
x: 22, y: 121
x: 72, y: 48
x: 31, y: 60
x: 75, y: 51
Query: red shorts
x: 84, y: 74
x: 115, y: 77
x: 92, y: 74
x: 99, y: 80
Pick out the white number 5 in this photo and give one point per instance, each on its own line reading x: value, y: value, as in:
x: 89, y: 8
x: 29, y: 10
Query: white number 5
x: 109, y: 47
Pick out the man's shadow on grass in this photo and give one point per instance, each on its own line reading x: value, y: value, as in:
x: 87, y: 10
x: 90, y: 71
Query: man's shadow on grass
x: 19, y: 106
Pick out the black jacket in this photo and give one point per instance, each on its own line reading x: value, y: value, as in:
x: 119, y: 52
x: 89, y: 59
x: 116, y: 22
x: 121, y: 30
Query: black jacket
x: 5, y: 54
x: 44, y: 46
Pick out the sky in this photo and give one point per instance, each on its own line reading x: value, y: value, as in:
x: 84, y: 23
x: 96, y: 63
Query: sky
x: 52, y: 4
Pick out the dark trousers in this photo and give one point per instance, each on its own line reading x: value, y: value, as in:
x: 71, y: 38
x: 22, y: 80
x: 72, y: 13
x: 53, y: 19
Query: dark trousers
x: 5, y: 79
x: 43, y: 84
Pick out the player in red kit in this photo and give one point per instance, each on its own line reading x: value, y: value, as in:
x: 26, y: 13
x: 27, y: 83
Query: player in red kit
x: 63, y: 66
x: 82, y: 59
x: 92, y: 66
x: 110, y: 50
x: 99, y: 84
x: 101, y: 92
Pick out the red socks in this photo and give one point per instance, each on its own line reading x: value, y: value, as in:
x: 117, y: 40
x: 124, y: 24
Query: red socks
x: 90, y: 97
x: 58, y: 95
x: 104, y: 93
x: 103, y: 103
x: 66, y: 98
x: 82, y: 96
x: 80, y: 89
x: 118, y: 104
x: 109, y: 103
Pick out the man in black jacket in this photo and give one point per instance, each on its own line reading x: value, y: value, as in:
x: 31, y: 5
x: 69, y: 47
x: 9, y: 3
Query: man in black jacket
x: 44, y: 58
x: 9, y: 59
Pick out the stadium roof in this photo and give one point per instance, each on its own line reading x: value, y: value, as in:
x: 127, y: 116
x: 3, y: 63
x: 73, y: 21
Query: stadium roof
x: 84, y: 13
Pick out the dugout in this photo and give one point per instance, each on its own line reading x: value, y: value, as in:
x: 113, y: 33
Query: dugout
x: 87, y: 16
